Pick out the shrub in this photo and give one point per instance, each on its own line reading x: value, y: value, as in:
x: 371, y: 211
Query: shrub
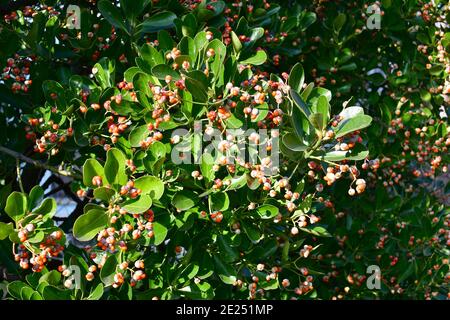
x: 200, y: 170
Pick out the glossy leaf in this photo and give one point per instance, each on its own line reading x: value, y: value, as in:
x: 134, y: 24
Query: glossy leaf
x: 350, y: 125
x: 115, y: 167
x: 139, y: 205
x: 87, y: 225
x: 16, y: 205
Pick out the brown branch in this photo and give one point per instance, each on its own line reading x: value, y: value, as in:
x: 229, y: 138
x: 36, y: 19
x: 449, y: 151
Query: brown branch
x: 39, y: 164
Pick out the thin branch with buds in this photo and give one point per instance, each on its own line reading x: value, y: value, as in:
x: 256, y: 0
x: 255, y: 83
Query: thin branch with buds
x: 39, y: 164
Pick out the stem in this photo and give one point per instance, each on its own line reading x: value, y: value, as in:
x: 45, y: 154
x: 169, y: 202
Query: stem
x: 295, y: 170
x: 38, y: 164
x: 323, y: 160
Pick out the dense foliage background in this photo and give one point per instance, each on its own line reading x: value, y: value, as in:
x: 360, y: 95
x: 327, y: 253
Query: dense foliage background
x: 93, y: 205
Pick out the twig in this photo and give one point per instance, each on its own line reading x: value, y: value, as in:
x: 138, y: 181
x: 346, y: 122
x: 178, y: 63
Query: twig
x: 38, y: 164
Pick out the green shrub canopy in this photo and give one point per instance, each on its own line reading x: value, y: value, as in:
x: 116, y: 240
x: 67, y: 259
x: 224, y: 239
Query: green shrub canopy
x: 224, y: 149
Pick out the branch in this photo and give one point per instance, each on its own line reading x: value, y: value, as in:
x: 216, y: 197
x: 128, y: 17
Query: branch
x: 39, y: 164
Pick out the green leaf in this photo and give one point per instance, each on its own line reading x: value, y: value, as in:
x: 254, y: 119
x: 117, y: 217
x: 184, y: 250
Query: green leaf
x: 263, y: 112
x: 54, y: 293
x: 165, y: 41
x: 339, y: 22
x: 318, y: 92
x: 301, y: 105
x: 108, y: 271
x: 300, y: 123
x: 37, y: 237
x: 139, y: 205
x: 238, y: 182
x: 97, y: 292
x: 200, y: 41
x: 237, y: 45
x: 355, y: 155
x: 292, y: 142
x: 14, y: 288
x: 251, y: 231
x: 233, y: 122
x: 307, y: 19
x: 206, y: 167
x: 259, y: 58
x: 317, y: 121
x: 52, y: 277
x: 133, y: 8
x: 35, y: 197
x: 160, y: 228
x: 189, y: 25
x: 297, y: 78
x: 219, y: 201
x: 188, y: 50
x: 227, y: 252
x: 217, y: 64
x: 348, y: 67
x: 115, y: 167
x: 436, y: 69
x: 307, y: 91
x: 104, y: 72
x: 47, y: 208
x: 138, y: 134
x: 303, y: 207
x: 150, y: 185
x: 197, y: 88
x: 189, y: 272
x: 89, y: 224
x: 5, y: 230
x: 225, y: 271
x: 356, y: 123
x: 16, y: 205
x: 323, y: 107
x: 184, y: 200
x: 36, y: 296
x: 104, y: 193
x: 92, y: 168
x: 162, y: 70
x: 159, y: 21
x: 408, y: 272
x: 112, y: 14
x: 55, y: 93
x: 317, y: 231
x: 267, y: 211
x: 151, y: 57
x: 206, y: 266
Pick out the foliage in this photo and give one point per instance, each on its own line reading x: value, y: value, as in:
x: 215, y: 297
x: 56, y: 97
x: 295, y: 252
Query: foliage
x: 125, y: 105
